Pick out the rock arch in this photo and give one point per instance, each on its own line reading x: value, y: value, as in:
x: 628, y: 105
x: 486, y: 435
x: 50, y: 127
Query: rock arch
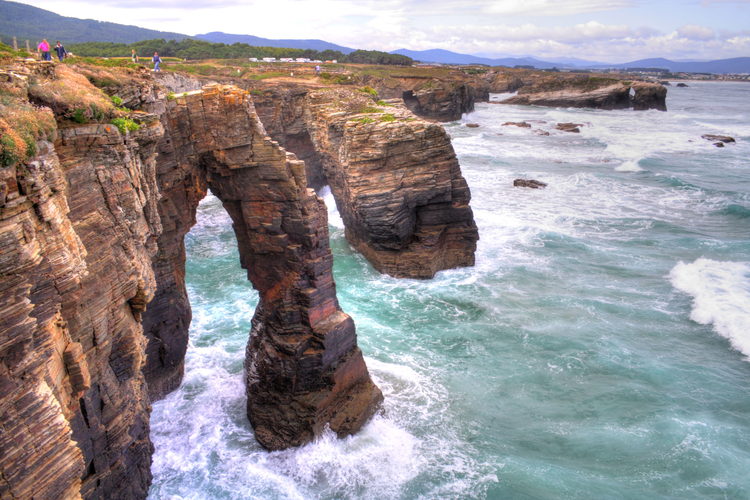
x: 303, y: 367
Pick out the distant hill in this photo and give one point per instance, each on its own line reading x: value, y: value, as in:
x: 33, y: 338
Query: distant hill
x: 321, y: 45
x: 448, y: 57
x: 734, y: 65
x: 30, y: 23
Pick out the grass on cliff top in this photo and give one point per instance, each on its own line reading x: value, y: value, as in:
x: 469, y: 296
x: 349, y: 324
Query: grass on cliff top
x: 21, y: 125
x: 71, y: 96
x: 583, y: 83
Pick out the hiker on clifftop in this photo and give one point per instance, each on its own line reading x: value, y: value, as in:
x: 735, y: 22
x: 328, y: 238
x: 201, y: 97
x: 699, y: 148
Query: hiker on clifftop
x: 43, y: 49
x: 157, y: 61
x: 134, y: 56
x: 60, y: 50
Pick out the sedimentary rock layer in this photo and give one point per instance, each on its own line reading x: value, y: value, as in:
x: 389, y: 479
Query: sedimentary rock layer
x: 304, y: 370
x: 79, y: 265
x: 397, y: 184
x: 76, y: 227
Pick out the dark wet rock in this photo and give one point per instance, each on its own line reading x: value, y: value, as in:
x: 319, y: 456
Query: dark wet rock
x: 719, y: 144
x: 541, y: 132
x: 682, y: 84
x: 719, y: 138
x: 529, y: 183
x: 472, y: 125
x: 569, y: 127
x: 517, y: 124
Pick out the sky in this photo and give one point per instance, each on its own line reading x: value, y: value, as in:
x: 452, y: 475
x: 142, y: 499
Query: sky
x: 597, y: 30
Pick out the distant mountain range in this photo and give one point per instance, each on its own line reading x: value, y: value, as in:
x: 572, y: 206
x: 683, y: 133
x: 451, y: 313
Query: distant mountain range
x: 31, y: 23
x: 321, y: 45
x: 734, y: 65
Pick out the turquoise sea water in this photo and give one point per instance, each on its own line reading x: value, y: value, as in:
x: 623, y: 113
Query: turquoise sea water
x: 598, y: 349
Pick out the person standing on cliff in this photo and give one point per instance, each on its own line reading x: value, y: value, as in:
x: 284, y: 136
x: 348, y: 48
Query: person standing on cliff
x: 134, y: 56
x: 157, y: 61
x: 43, y: 49
x: 60, y: 51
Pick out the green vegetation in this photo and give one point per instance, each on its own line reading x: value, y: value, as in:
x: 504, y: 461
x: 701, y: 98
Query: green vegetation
x: 370, y: 109
x: 364, y: 119
x: 21, y: 125
x: 125, y: 125
x: 388, y: 117
x: 369, y: 90
x: 193, y: 49
x: 117, y: 101
x: 384, y: 104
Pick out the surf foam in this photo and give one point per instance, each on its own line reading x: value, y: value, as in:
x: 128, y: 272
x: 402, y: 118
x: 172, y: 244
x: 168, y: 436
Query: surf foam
x: 721, y: 296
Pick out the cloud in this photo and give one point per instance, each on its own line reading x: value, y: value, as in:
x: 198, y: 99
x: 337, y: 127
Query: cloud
x: 554, y: 7
x: 695, y: 32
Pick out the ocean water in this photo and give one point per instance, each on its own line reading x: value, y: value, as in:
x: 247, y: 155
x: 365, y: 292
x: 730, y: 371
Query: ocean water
x: 600, y: 348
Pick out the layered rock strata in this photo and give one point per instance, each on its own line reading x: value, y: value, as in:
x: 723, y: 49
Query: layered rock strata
x: 304, y: 370
x: 617, y: 95
x: 76, y: 240
x: 90, y: 232
x: 396, y: 181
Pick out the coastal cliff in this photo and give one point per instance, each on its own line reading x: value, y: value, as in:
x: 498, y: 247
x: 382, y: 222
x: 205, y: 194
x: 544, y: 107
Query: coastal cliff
x: 93, y: 310
x: 395, y: 177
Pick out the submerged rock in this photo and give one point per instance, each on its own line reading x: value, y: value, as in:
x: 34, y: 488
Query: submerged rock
x: 529, y: 183
x: 517, y: 124
x: 472, y: 125
x: 682, y: 84
x: 569, y: 127
x: 722, y: 139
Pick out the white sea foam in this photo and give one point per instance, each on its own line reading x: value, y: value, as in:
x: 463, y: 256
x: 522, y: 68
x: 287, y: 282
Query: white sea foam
x: 334, y: 219
x: 721, y: 296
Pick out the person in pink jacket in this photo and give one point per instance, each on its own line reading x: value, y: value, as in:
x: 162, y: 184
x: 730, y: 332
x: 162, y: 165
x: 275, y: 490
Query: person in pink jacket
x: 43, y: 48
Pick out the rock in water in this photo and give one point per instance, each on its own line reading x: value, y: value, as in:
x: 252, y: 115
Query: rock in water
x: 472, y: 125
x: 682, y: 84
x: 719, y: 138
x: 569, y: 127
x: 529, y: 183
x: 517, y: 124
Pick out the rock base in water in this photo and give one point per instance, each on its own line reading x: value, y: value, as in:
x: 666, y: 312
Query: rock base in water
x: 529, y: 183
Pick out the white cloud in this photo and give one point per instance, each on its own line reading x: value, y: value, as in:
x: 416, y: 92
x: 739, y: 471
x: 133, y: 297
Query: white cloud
x: 695, y: 32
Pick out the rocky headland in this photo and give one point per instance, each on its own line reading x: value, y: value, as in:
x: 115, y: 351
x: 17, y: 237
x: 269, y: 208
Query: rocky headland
x: 97, y: 194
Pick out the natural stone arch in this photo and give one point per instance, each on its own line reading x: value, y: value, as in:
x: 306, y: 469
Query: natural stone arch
x: 303, y: 368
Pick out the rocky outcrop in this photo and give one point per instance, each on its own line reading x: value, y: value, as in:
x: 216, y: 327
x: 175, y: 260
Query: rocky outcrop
x: 597, y: 93
x: 397, y: 184
x: 569, y: 127
x: 76, y: 239
x: 529, y: 183
x: 90, y: 231
x: 648, y: 96
x: 724, y: 139
x: 399, y: 142
x: 304, y: 370
x: 440, y: 100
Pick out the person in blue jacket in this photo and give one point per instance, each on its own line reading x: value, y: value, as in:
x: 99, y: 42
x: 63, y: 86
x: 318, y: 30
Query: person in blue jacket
x: 157, y: 61
x: 60, y: 50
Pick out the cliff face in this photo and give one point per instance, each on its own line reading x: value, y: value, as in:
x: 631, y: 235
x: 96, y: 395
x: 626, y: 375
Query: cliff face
x: 395, y: 178
x: 593, y: 93
x: 397, y: 184
x: 304, y: 369
x: 76, y: 231
x: 83, y: 219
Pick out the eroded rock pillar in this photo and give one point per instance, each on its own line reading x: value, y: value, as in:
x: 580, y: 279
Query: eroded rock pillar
x: 303, y: 368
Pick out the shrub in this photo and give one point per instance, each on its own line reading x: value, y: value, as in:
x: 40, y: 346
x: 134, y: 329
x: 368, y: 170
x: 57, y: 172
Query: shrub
x: 387, y: 118
x: 369, y: 90
x: 117, y: 101
x: 125, y: 125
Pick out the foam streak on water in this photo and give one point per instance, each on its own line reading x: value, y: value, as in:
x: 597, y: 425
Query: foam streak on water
x: 598, y: 349
x: 721, y: 296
